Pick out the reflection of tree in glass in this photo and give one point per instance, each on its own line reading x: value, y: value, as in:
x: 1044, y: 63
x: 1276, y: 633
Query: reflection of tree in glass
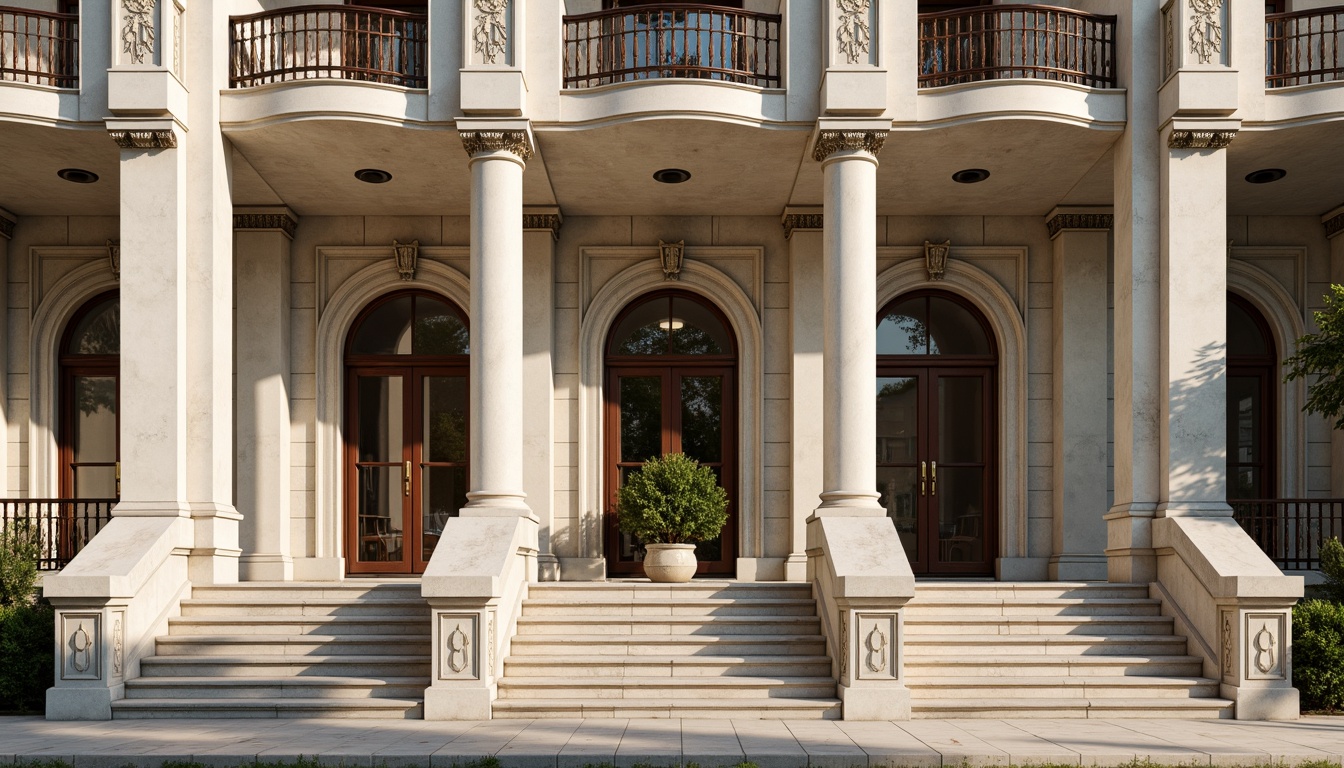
x: 913, y: 334
x: 99, y: 333
x: 641, y: 418
x: 646, y: 340
x: 702, y: 418
x: 96, y: 393
x: 448, y: 436
x: 441, y: 335
x: 691, y: 340
x: 894, y: 387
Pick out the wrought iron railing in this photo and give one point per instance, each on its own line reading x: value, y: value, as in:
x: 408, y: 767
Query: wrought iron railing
x: 345, y: 42
x: 1002, y: 41
x: 1304, y: 47
x: 39, y: 47
x: 1291, y: 531
x: 671, y: 40
x: 63, y: 526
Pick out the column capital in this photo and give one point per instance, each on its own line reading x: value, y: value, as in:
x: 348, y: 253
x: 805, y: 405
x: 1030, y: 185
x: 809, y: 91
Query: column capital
x: 543, y: 218
x: 831, y: 141
x: 1332, y: 221
x: 153, y: 133
x: 516, y: 141
x: 7, y: 221
x: 1078, y: 218
x: 801, y: 218
x: 274, y: 218
x: 1195, y: 139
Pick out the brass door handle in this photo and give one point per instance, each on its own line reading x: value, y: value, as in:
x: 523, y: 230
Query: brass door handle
x: 406, y: 480
x: 934, y: 485
x: 118, y: 473
x: 923, y: 478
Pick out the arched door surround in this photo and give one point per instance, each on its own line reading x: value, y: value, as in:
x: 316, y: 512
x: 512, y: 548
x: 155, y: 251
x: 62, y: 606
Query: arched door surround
x: 89, y: 417
x: 1252, y: 383
x: 936, y: 447
x: 406, y: 430
x: 671, y: 384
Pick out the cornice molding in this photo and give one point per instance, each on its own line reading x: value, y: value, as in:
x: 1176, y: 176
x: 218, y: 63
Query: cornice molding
x: 1084, y: 221
x: 477, y: 142
x: 551, y: 221
x: 6, y: 228
x: 1333, y: 226
x: 162, y: 138
x: 1182, y: 139
x: 830, y: 142
x: 794, y: 221
x: 274, y: 221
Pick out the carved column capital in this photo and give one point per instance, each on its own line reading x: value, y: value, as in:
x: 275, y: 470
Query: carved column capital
x: 1063, y: 221
x: 830, y: 142
x: 1334, y: 225
x: 478, y: 142
x: 6, y: 224
x: 1184, y: 139
x: 282, y: 221
x: 551, y: 221
x: 156, y: 138
x: 792, y: 221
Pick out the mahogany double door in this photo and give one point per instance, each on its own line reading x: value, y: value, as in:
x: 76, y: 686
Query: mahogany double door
x: 406, y: 464
x: 656, y: 410
x: 936, y: 466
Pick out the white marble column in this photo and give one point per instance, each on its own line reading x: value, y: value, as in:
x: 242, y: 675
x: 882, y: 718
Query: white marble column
x: 803, y: 228
x: 262, y: 280
x: 849, y: 300
x: 497, y: 159
x: 1080, y: 242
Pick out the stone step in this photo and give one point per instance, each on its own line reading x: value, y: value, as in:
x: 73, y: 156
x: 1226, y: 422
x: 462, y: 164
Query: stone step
x: 930, y: 667
x: 294, y: 646
x: 1032, y: 590
x: 1164, y: 708
x: 699, y: 589
x: 918, y: 645
x: 1018, y: 688
x: 130, y: 709
x: 388, y: 607
x: 350, y: 590
x: 666, y: 666
x: 297, y: 625
x: 1109, y: 607
x: 669, y: 645
x: 917, y: 624
x: 642, y: 606
x: 314, y: 687
x: 668, y: 625
x: 733, y: 687
x: 259, y: 665
x: 716, y: 709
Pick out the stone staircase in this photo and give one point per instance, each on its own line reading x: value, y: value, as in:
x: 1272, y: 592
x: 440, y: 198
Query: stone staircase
x: 350, y: 649
x: 707, y: 649
x: 1049, y: 649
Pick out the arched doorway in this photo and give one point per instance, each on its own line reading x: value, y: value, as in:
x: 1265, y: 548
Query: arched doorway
x: 936, y: 432
x: 1252, y: 379
x: 406, y: 430
x: 90, y: 434
x: 671, y: 386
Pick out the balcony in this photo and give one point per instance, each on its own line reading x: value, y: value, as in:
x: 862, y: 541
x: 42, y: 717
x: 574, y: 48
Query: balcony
x: 343, y: 42
x: 63, y: 526
x: 1304, y: 47
x: 1016, y: 41
x: 679, y: 40
x: 1291, y: 531
x: 39, y: 48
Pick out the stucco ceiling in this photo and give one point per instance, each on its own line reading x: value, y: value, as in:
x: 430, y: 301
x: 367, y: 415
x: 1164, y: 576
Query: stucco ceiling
x: 30, y: 156
x: 1313, y: 156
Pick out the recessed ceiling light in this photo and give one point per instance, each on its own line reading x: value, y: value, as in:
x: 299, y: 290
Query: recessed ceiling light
x: 970, y: 176
x: 671, y: 175
x: 1266, y: 175
x: 373, y: 176
x: 77, y: 175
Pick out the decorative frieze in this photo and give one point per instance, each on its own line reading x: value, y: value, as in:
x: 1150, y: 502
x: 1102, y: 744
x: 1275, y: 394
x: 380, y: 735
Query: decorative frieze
x: 6, y: 228
x: 551, y: 221
x: 1169, y: 40
x: 844, y: 644
x: 114, y: 259
x: 830, y: 142
x: 118, y: 644
x: 149, y: 139
x: 137, y: 29
x: 1206, y: 29
x: 1333, y: 225
x: 935, y: 258
x: 491, y: 34
x: 671, y: 256
x: 1200, y: 139
x: 794, y: 221
x: 1229, y: 670
x: 852, y: 32
x: 406, y: 255
x: 1086, y: 221
x: 477, y: 142
x: 281, y: 221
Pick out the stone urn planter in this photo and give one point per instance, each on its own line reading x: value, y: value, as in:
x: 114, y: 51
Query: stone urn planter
x: 668, y: 504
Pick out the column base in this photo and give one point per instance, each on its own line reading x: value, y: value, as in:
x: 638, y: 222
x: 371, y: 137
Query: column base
x: 583, y: 569
x: 760, y: 569
x: 497, y: 504
x: 1077, y: 568
x: 795, y: 567
x: 457, y: 704
x: 82, y: 703
x: 1130, y: 557
x: 1021, y: 568
x: 260, y: 566
x: 886, y: 702
x: 548, y: 567
x: 849, y: 504
x: 1279, y: 703
x: 1194, y: 509
x: 319, y: 569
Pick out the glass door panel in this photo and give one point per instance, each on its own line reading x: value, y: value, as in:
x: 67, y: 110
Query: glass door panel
x: 381, y: 477
x: 442, y: 463
x: 700, y: 433
x: 898, y: 449
x: 958, y: 480
x: 641, y: 435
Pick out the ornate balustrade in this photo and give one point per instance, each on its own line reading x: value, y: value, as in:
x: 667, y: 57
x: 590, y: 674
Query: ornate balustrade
x: 1003, y: 41
x: 1291, y: 531
x: 671, y: 40
x: 39, y: 48
x: 1304, y: 47
x: 344, y: 42
x: 64, y: 526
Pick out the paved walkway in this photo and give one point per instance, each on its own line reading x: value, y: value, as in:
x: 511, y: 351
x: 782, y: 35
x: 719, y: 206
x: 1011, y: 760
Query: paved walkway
x: 769, y: 744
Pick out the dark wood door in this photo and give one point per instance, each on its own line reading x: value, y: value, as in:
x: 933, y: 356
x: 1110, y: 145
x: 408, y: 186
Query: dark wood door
x: 936, y: 466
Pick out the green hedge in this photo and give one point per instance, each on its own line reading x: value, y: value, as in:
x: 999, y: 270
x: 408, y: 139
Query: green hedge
x: 27, y: 648
x: 1318, y: 654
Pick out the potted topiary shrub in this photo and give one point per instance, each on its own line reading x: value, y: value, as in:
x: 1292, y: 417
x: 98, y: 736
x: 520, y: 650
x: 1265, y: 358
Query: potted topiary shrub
x: 670, y: 503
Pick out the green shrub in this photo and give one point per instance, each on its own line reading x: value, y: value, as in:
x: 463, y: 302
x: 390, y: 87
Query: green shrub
x: 20, y: 547
x: 1318, y: 654
x: 1332, y: 568
x: 27, y: 656
x: 672, y: 500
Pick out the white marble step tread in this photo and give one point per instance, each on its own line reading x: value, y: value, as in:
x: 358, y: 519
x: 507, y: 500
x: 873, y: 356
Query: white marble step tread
x: 297, y: 707
x: 1063, y: 707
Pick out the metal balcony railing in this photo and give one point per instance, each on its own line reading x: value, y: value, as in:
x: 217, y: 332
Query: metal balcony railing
x: 39, y: 48
x: 344, y: 42
x: 63, y: 526
x: 1003, y: 41
x: 644, y: 42
x: 1304, y: 47
x: 1291, y: 531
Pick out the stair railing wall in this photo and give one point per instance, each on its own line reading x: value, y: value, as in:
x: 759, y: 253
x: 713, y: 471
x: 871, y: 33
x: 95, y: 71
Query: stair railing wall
x: 475, y: 593
x: 861, y: 592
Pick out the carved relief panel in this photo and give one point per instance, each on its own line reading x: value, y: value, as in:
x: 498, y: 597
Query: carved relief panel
x: 81, y: 640
x: 1263, y: 638
x: 491, y: 30
x: 876, y: 638
x: 458, y: 647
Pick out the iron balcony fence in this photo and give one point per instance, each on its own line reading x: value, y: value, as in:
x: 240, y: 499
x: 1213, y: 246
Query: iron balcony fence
x: 1291, y: 531
x: 671, y: 40
x: 1304, y: 47
x: 344, y: 42
x: 63, y: 526
x: 39, y: 47
x: 1003, y: 41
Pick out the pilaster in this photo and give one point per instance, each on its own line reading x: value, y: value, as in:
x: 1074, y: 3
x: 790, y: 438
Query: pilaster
x: 803, y: 229
x: 541, y: 227
x: 1080, y: 242
x: 262, y: 239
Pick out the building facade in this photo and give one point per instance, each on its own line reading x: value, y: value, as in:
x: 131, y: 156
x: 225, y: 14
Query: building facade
x: 323, y: 292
